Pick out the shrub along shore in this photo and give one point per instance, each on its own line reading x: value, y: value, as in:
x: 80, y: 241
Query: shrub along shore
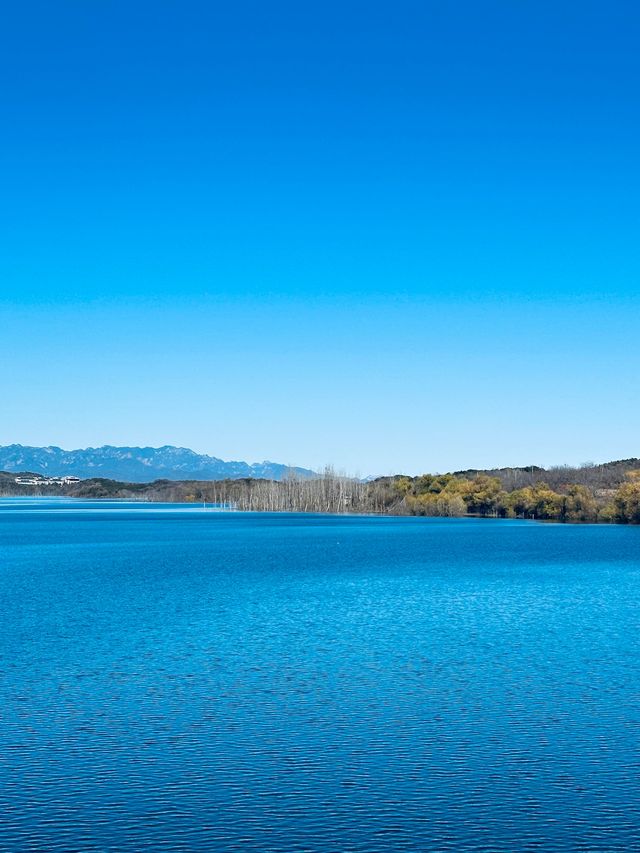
x: 591, y: 493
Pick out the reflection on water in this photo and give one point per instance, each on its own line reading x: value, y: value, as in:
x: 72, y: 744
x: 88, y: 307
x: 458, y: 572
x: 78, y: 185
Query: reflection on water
x: 178, y: 679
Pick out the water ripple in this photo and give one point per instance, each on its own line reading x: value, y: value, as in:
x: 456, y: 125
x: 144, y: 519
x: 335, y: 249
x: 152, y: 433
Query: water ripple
x: 239, y: 683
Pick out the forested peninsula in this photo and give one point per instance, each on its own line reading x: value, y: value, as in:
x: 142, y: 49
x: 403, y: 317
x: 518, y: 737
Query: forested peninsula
x: 591, y: 493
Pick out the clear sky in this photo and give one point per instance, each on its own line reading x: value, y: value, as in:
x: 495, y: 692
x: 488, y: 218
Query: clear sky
x: 396, y: 236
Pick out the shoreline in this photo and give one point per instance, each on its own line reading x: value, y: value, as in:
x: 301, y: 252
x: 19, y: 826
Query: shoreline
x: 310, y: 512
x: 511, y: 493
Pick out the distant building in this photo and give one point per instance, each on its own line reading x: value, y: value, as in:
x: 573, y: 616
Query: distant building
x: 46, y: 481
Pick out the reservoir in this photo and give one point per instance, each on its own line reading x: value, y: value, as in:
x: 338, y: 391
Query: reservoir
x: 177, y: 678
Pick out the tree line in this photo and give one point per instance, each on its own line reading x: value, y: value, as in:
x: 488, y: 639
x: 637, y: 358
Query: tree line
x: 458, y: 494
x: 429, y: 495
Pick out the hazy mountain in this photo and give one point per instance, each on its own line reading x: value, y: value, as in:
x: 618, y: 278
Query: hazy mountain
x: 135, y: 464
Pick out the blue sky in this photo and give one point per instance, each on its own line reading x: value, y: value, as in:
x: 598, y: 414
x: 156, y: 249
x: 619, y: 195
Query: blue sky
x: 394, y: 237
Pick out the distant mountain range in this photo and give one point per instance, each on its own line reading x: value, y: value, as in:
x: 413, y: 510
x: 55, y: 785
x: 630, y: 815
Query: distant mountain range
x: 136, y: 464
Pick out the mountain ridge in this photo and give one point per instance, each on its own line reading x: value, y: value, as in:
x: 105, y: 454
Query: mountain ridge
x: 137, y: 464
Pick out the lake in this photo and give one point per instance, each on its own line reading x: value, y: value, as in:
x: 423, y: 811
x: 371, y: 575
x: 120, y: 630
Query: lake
x: 173, y: 678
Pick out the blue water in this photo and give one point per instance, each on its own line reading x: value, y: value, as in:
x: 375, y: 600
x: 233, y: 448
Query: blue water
x: 175, y: 679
